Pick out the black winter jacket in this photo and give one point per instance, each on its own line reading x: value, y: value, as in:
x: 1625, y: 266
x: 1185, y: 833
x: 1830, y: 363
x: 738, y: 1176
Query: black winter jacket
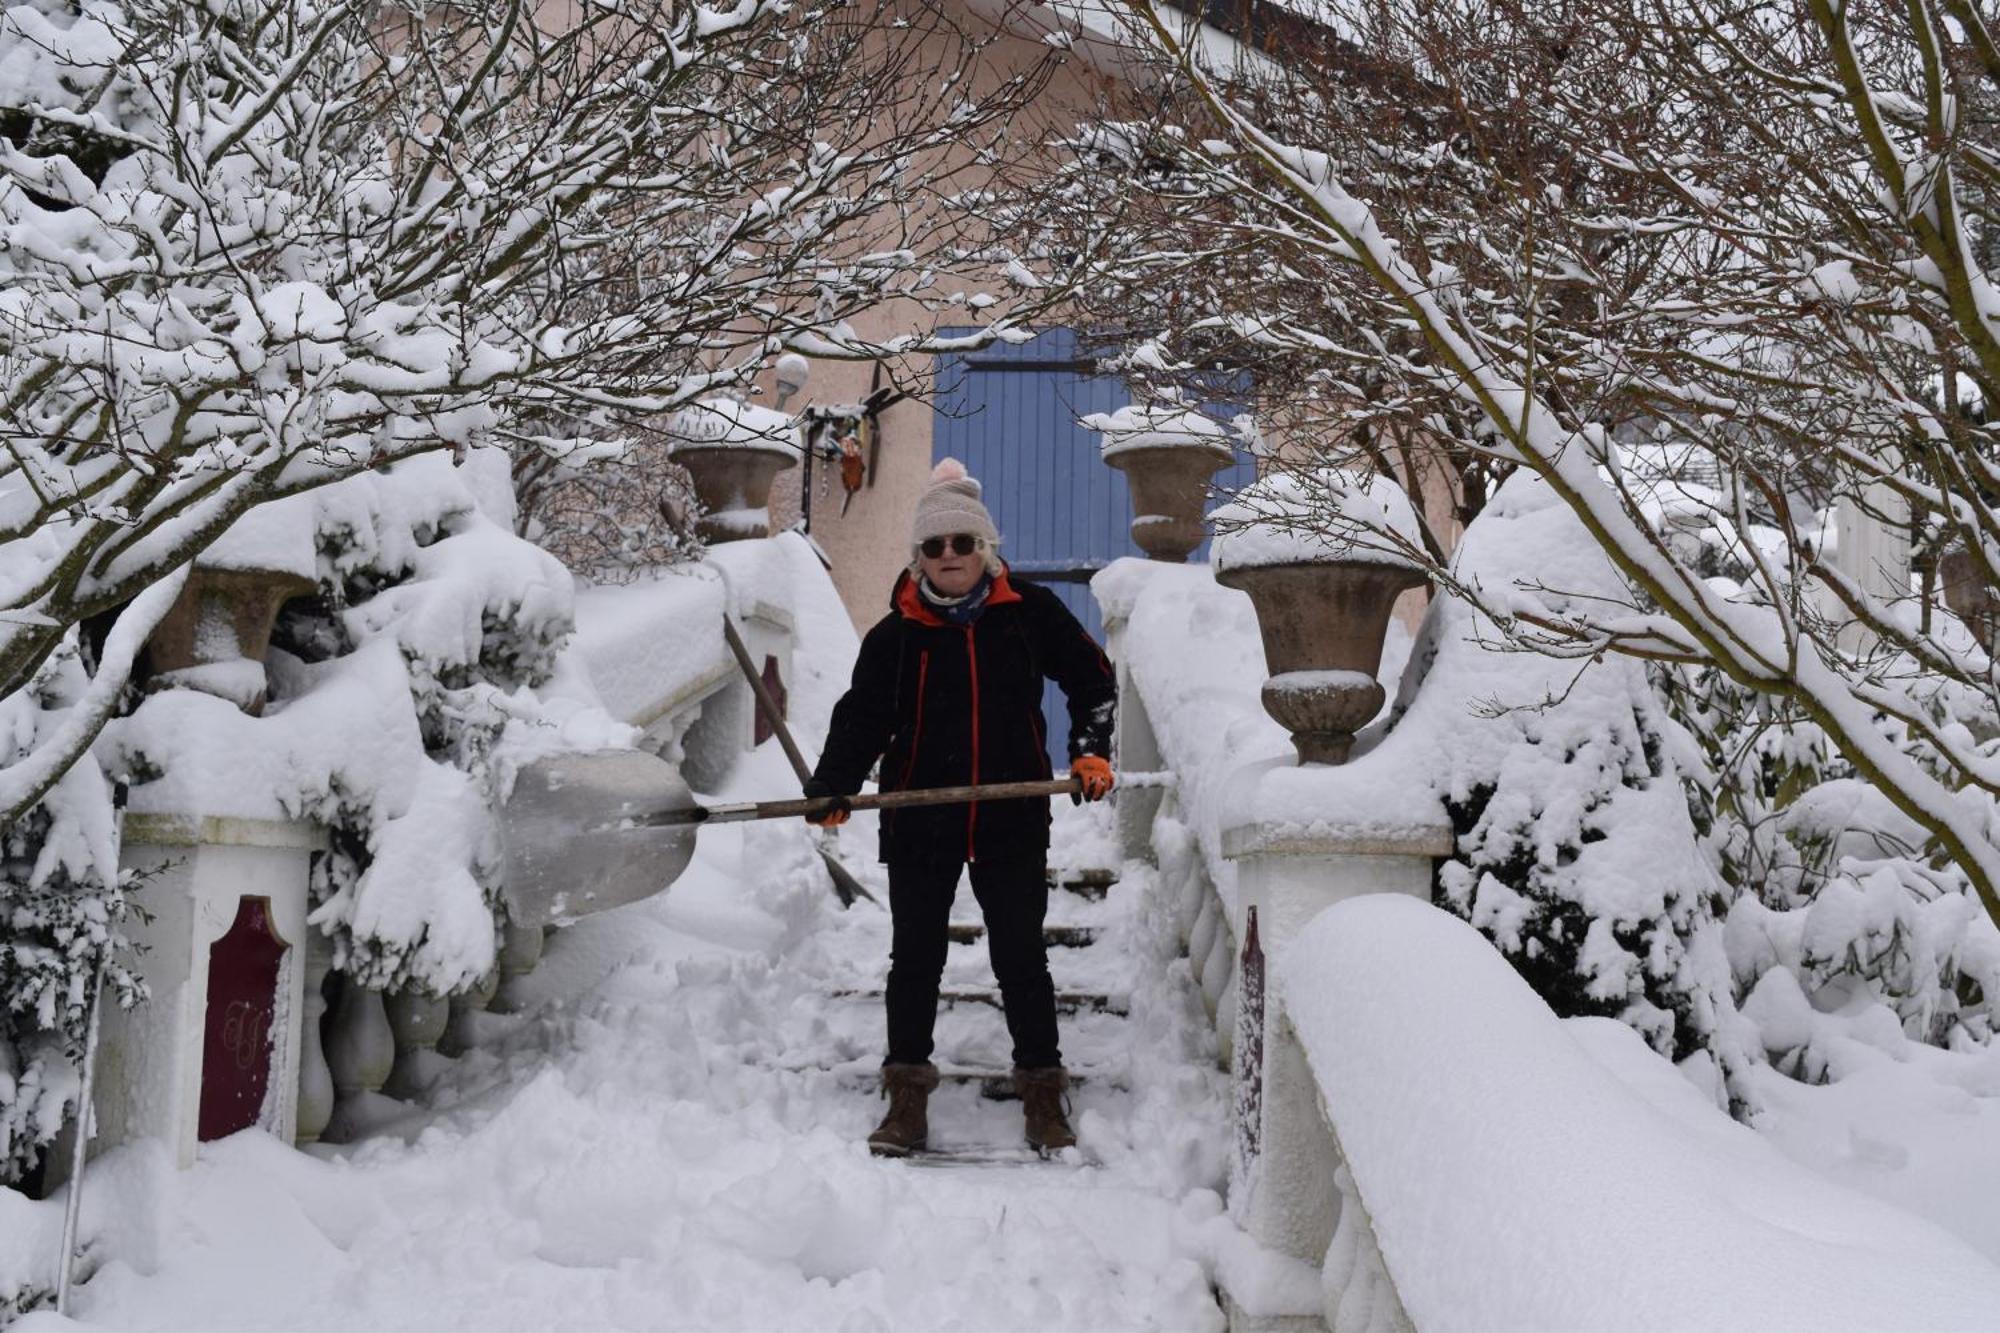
x: 944, y: 705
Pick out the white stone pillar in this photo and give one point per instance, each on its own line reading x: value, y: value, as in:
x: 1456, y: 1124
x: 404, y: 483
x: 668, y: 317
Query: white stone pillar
x: 1135, y: 749
x: 1873, y: 548
x: 200, y: 870
x: 1290, y: 1200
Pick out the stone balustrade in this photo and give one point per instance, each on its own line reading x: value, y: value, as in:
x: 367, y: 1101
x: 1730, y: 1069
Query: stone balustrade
x: 1251, y: 847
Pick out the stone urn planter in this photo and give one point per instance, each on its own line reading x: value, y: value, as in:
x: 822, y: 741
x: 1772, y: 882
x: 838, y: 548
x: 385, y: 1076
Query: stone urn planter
x: 733, y: 451
x: 1168, y: 456
x: 1324, y: 572
x: 1967, y: 593
x: 215, y: 635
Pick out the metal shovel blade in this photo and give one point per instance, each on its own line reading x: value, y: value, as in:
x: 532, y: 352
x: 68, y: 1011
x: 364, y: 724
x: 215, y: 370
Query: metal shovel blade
x: 568, y: 848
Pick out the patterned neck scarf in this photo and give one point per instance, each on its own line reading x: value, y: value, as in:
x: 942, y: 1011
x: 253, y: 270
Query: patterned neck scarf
x: 961, y: 610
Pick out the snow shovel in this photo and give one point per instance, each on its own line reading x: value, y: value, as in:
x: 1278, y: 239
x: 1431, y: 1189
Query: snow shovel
x: 573, y: 835
x: 844, y: 883
x: 594, y: 830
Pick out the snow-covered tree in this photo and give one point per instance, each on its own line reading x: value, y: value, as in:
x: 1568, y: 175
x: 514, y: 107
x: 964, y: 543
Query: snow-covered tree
x: 1754, y: 235
x: 1720, y: 277
x: 258, y: 245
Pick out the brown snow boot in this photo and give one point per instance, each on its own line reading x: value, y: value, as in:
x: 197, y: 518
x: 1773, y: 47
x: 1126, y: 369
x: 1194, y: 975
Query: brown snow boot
x: 1044, y: 1106
x: 907, y: 1126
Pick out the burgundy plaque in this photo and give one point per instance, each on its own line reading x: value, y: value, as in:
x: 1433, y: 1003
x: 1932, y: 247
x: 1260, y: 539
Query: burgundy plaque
x: 243, y: 969
x: 1249, y: 1050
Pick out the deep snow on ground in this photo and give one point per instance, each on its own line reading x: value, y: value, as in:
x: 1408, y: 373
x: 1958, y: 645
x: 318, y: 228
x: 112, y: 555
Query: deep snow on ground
x: 651, y: 1145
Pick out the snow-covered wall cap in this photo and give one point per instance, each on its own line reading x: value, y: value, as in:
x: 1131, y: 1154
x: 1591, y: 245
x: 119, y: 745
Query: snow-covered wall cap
x: 274, y: 538
x: 733, y: 424
x: 1135, y: 427
x: 1322, y: 517
x: 1578, y: 1127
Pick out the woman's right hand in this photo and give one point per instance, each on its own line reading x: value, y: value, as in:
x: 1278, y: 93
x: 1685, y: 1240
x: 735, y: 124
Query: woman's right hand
x: 837, y: 811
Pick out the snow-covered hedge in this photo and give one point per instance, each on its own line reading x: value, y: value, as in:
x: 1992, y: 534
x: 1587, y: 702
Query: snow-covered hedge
x: 1655, y: 847
x: 404, y: 697
x: 1576, y: 853
x: 62, y: 899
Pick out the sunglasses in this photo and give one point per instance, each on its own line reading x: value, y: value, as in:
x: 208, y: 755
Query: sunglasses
x: 962, y: 543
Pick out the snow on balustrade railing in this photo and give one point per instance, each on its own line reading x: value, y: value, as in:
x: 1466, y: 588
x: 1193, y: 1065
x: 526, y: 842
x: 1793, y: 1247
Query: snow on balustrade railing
x: 655, y: 653
x: 1513, y: 1175
x: 652, y: 644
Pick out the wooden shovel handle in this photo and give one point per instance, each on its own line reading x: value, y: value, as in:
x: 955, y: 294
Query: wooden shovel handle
x: 886, y: 800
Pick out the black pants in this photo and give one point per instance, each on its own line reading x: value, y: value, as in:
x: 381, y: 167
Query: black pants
x: 1013, y: 897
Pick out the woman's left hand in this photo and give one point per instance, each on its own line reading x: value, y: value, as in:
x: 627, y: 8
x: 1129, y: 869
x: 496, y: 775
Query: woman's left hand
x: 1094, y: 774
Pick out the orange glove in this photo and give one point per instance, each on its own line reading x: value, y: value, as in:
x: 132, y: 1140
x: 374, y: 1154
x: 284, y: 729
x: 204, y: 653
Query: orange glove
x: 1095, y: 775
x: 836, y: 814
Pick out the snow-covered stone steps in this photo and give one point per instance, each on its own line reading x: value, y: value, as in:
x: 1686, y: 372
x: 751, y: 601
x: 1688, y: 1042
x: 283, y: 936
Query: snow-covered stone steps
x: 1057, y: 937
x: 1067, y: 1002
x: 1093, y: 883
x: 995, y: 1085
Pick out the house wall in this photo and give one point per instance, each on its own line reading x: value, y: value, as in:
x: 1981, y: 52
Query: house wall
x: 869, y: 543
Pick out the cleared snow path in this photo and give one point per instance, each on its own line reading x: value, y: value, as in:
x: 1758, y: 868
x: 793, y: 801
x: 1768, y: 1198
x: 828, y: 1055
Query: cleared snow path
x: 669, y: 1136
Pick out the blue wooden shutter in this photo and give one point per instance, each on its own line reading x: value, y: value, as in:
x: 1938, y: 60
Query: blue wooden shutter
x: 1009, y: 412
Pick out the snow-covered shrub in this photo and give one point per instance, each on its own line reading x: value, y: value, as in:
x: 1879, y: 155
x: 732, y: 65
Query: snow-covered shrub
x: 404, y: 697
x: 477, y: 617
x: 1843, y: 914
x: 1575, y: 853
x: 62, y: 899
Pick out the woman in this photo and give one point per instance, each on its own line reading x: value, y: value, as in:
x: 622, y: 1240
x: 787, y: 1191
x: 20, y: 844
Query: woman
x: 947, y: 692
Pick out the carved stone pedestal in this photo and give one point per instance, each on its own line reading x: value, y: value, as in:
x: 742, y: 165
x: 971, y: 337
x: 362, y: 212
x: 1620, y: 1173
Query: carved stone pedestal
x: 1287, y: 1194
x: 219, y: 1047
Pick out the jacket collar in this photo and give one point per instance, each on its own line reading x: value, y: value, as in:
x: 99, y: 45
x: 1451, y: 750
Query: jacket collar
x: 910, y: 604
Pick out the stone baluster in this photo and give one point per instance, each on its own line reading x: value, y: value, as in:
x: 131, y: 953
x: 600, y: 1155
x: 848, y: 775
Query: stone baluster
x: 361, y: 1052
x: 520, y: 951
x: 1360, y: 1297
x: 417, y: 1019
x: 315, y: 1079
x: 461, y: 1029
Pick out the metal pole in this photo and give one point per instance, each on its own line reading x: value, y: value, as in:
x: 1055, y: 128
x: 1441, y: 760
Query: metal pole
x: 844, y: 882
x: 73, y: 1206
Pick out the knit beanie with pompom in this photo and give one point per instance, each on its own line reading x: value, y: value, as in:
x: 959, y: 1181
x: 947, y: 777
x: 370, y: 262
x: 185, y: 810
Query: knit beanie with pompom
x: 952, y: 505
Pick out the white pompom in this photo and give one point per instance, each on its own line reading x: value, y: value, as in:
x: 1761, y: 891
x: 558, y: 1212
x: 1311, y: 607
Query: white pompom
x: 948, y: 469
